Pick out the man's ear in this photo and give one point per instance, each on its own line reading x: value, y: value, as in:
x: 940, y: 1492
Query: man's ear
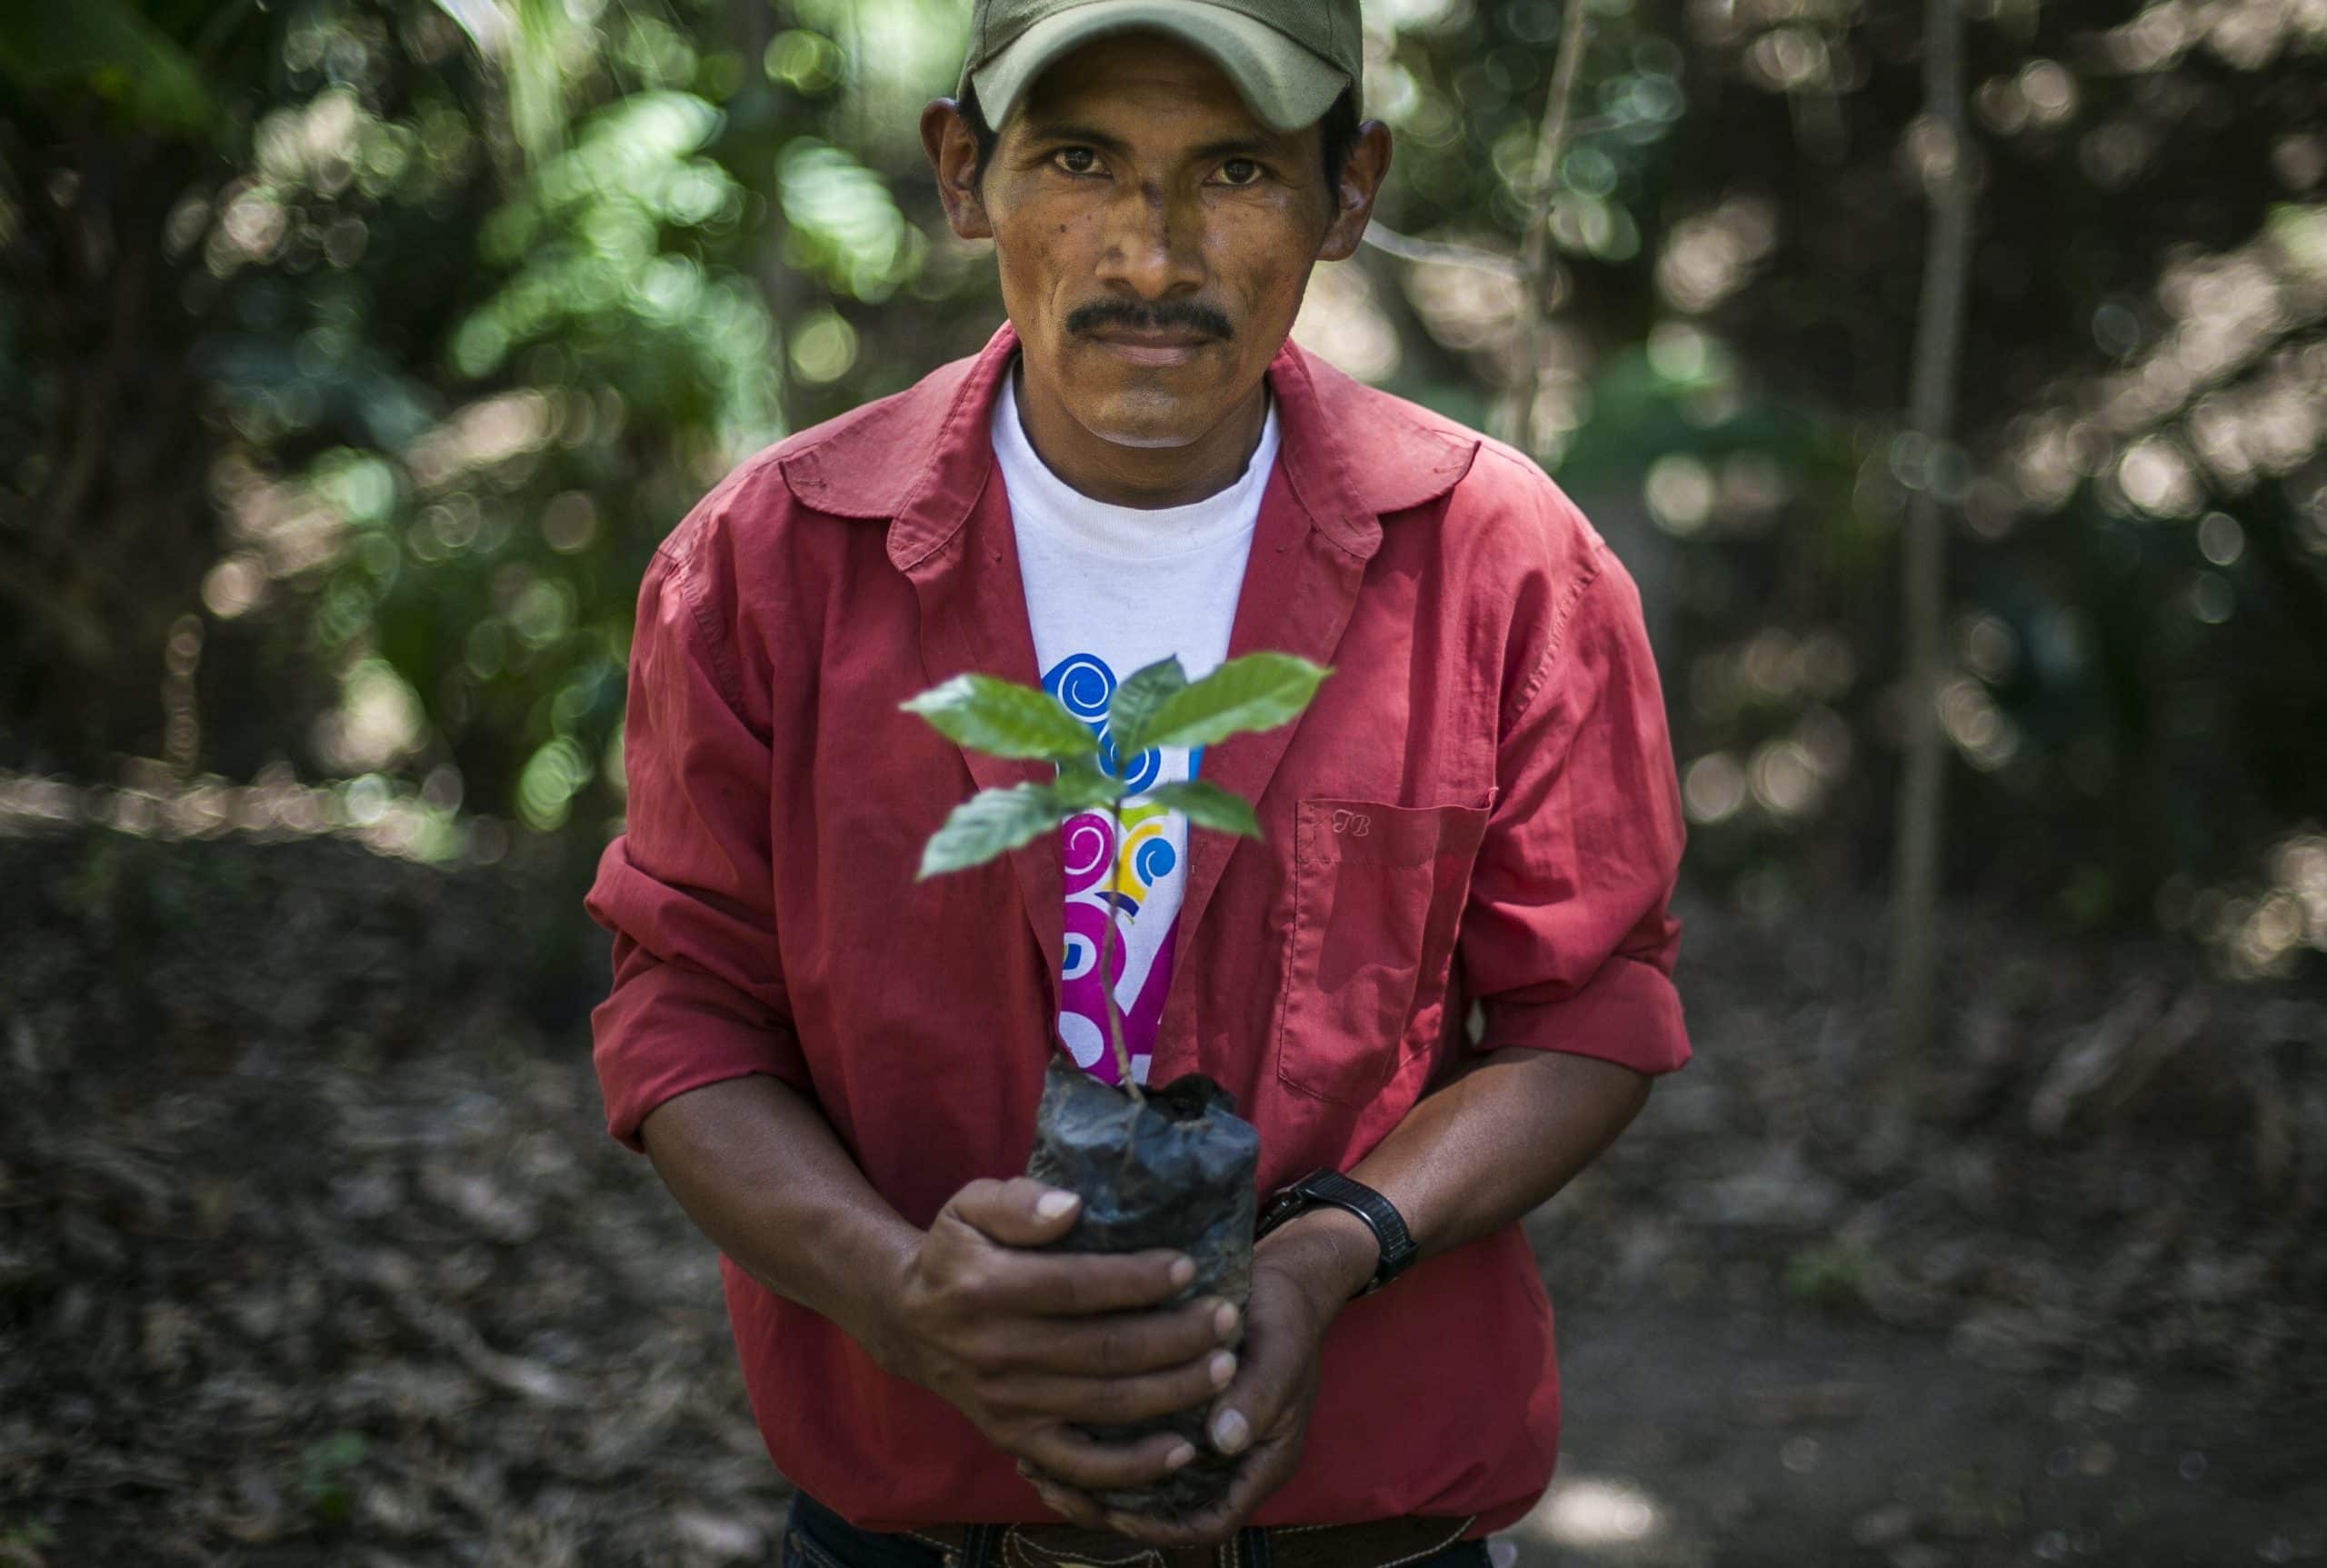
x: 954, y: 156
x: 1361, y: 182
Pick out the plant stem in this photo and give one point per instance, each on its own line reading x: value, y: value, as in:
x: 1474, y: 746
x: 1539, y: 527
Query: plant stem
x: 1106, y: 941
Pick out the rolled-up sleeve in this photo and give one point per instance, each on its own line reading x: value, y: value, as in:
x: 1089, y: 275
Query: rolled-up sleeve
x: 698, y: 993
x: 1568, y: 942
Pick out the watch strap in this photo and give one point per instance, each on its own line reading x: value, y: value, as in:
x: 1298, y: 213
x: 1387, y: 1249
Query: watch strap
x: 1331, y: 1188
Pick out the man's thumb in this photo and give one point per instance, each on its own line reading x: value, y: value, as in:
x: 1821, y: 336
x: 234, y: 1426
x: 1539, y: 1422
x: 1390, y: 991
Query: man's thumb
x: 1018, y: 1213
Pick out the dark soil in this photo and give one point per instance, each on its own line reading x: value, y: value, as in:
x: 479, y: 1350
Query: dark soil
x: 313, y: 1249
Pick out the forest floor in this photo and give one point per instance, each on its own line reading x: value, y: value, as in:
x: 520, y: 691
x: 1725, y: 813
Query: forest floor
x: 313, y: 1250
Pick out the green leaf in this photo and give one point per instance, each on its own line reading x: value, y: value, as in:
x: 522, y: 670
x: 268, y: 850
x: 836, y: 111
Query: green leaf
x: 1143, y: 691
x: 1257, y: 692
x: 1004, y: 719
x: 108, y: 48
x: 1082, y: 785
x: 991, y: 823
x: 1206, y: 805
x: 531, y: 64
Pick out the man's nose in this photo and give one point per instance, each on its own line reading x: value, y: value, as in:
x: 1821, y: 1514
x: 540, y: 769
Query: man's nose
x: 1155, y: 243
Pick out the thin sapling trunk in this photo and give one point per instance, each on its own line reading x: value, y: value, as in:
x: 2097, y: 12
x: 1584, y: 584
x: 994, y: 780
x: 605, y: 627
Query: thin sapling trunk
x: 1106, y: 941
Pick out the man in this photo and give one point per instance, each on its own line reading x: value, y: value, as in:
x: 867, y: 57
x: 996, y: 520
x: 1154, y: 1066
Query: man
x: 834, y: 1067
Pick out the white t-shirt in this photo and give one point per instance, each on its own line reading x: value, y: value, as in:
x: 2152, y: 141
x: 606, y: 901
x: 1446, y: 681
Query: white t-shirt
x: 1110, y: 589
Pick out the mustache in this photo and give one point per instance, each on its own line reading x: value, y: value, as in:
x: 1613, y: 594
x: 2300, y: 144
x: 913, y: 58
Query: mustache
x: 1161, y: 317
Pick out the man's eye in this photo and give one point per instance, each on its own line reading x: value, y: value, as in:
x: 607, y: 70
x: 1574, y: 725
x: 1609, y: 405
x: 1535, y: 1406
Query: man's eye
x: 1078, y: 160
x: 1240, y: 171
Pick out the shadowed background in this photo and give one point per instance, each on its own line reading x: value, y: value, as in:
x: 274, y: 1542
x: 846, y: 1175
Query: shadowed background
x: 356, y: 355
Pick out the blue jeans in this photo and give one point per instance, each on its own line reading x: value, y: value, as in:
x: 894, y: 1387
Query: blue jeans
x: 817, y: 1537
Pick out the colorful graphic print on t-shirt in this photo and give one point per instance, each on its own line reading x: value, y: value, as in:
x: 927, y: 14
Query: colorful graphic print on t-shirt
x: 1135, y: 883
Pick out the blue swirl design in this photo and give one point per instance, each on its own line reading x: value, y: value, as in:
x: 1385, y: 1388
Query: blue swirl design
x: 1153, y: 860
x: 1146, y: 768
x: 1084, y: 683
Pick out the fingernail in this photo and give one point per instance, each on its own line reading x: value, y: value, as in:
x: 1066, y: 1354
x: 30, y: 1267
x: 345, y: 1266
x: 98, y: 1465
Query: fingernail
x: 1228, y: 1432
x: 1223, y: 1319
x: 1224, y: 1369
x: 1178, y: 1456
x: 1052, y: 1204
x: 1183, y: 1270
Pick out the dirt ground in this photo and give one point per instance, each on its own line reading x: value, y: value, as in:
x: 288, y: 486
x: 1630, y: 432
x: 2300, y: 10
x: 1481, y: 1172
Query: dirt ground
x: 2050, y: 1324
x: 313, y: 1251
x: 1710, y: 1433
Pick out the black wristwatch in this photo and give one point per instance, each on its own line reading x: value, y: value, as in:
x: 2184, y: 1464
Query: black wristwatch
x: 1337, y: 1190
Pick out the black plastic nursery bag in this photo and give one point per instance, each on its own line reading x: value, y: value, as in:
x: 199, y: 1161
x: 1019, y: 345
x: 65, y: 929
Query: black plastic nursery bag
x: 1175, y: 1171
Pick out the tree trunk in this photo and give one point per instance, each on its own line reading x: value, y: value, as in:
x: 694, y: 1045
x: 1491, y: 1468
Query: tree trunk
x: 1914, y: 973
x: 1536, y: 261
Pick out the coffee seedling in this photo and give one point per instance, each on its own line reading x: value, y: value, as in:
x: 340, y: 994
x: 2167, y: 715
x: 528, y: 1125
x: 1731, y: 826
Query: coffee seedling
x: 1174, y: 1167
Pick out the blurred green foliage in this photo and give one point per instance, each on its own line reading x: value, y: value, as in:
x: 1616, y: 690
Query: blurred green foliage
x: 327, y: 1473
x: 388, y: 337
x: 1830, y: 1275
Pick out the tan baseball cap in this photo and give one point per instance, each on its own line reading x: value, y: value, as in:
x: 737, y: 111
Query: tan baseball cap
x: 1290, y: 59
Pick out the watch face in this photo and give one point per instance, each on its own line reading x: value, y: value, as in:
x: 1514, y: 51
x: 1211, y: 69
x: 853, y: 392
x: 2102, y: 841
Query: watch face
x: 1281, y: 1208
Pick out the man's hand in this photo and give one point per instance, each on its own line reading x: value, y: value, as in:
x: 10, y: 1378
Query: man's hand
x: 1030, y: 1345
x: 1301, y: 1277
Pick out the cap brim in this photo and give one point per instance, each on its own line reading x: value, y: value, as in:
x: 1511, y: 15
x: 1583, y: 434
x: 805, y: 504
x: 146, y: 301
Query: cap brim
x: 1285, y: 84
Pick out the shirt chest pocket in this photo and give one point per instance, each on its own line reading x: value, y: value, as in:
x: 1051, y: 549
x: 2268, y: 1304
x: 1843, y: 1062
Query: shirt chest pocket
x: 1378, y: 892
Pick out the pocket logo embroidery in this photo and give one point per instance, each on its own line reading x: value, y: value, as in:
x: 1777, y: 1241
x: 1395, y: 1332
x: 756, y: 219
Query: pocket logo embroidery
x: 1355, y: 823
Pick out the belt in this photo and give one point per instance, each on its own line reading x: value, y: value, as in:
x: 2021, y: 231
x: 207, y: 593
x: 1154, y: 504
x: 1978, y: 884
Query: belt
x: 1378, y: 1544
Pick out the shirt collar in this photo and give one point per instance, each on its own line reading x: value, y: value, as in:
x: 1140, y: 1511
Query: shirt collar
x: 1047, y: 505
x: 1352, y: 454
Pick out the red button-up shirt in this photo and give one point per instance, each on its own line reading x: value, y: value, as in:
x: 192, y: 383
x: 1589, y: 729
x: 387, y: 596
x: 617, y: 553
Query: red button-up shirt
x: 1479, y: 803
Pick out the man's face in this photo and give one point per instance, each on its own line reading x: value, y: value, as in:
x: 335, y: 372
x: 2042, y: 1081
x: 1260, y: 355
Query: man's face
x: 1154, y: 236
